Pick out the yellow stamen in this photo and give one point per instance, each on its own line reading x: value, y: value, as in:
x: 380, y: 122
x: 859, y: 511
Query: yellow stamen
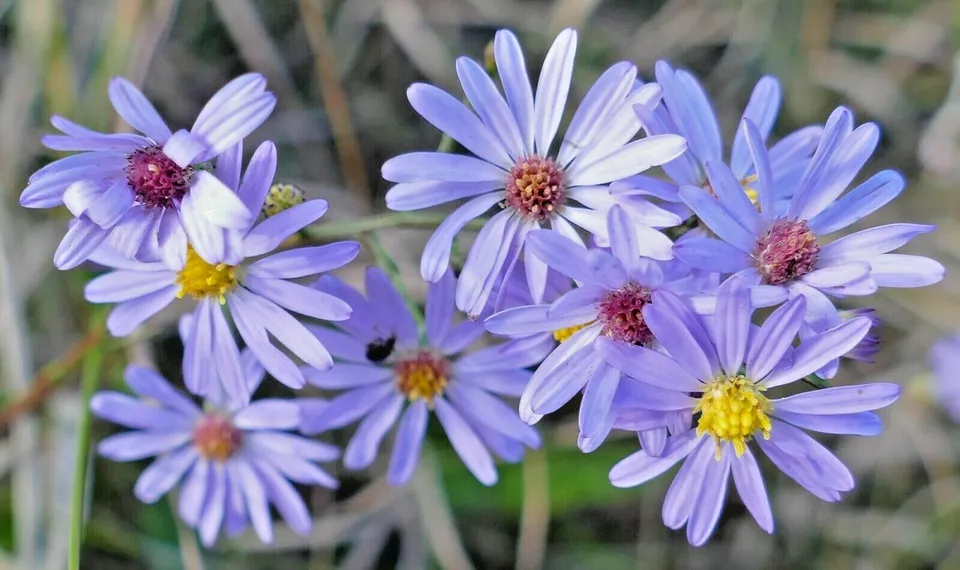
x: 200, y: 279
x: 561, y: 335
x: 732, y: 409
x: 751, y: 193
x: 421, y: 376
x: 282, y: 197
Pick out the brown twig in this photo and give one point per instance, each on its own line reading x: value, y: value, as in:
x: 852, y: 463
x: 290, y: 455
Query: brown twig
x: 334, y: 98
x: 46, y: 380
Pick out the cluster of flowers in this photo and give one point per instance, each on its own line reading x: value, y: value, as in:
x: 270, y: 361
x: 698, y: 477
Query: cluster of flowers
x: 650, y: 318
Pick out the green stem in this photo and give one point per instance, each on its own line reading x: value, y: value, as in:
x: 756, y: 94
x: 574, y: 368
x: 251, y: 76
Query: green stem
x: 386, y: 220
x: 816, y: 381
x: 90, y: 377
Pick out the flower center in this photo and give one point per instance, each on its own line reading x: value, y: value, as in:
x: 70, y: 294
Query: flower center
x: 732, y: 409
x: 561, y: 335
x: 200, y: 279
x: 156, y: 180
x: 215, y: 437
x: 380, y: 349
x: 535, y: 187
x: 787, y: 251
x: 282, y: 197
x: 622, y: 316
x: 421, y: 375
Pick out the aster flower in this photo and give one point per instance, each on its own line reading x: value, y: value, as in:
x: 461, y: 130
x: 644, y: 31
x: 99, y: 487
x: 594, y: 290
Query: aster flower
x: 257, y: 291
x: 721, y: 374
x: 145, y: 195
x: 389, y: 375
x: 786, y: 249
x: 514, y: 164
x: 945, y: 360
x: 233, y: 461
x: 615, y: 286
x: 687, y: 111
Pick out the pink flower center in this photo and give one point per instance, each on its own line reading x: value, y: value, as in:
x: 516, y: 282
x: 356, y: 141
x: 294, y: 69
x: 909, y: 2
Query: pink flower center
x: 422, y: 375
x: 622, y: 316
x: 215, y: 437
x: 156, y: 180
x: 535, y: 187
x: 787, y: 251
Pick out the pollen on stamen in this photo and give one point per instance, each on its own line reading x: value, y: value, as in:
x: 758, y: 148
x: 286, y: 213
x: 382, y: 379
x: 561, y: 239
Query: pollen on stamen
x: 200, y: 279
x: 789, y: 250
x: 156, y: 180
x: 733, y: 409
x: 535, y: 187
x: 564, y: 334
x: 422, y: 375
x: 215, y: 437
x: 621, y: 313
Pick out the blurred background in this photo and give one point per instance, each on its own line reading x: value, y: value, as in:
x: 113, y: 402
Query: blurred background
x: 340, y: 70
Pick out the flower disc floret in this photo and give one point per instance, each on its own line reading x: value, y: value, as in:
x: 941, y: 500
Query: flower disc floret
x: 732, y: 409
x: 422, y: 375
x: 200, y: 279
x: 535, y: 187
x: 622, y: 316
x: 564, y: 334
x: 216, y: 438
x: 156, y: 180
x: 789, y: 250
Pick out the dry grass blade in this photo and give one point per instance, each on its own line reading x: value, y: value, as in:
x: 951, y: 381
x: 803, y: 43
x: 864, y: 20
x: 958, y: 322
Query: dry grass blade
x: 535, y: 517
x: 436, y: 518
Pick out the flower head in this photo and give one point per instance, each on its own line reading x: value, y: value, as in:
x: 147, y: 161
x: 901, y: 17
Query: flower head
x: 614, y: 288
x: 412, y: 379
x: 785, y: 247
x: 145, y: 195
x: 256, y: 290
x: 721, y: 373
x: 234, y: 461
x: 514, y: 164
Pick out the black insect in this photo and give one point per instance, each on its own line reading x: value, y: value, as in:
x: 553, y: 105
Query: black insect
x: 380, y: 349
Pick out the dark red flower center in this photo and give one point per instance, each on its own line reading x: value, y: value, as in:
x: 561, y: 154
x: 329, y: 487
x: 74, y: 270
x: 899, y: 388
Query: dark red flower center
x: 788, y: 250
x: 216, y: 438
x: 156, y: 180
x: 622, y: 316
x: 535, y: 187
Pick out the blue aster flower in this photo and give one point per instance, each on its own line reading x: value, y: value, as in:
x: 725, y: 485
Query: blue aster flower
x: 786, y: 248
x: 257, y: 291
x: 232, y: 460
x: 720, y: 373
x: 515, y: 166
x: 389, y: 376
x: 687, y: 111
x: 614, y: 287
x: 145, y: 195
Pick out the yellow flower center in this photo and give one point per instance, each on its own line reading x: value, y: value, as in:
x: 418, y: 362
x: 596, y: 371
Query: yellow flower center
x: 421, y: 375
x: 751, y: 193
x: 282, y: 197
x: 732, y: 409
x: 200, y: 279
x: 561, y: 335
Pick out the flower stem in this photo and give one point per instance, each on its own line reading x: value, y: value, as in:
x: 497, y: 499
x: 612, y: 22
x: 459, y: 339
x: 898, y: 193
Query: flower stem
x: 816, y: 381
x: 386, y: 220
x: 90, y: 378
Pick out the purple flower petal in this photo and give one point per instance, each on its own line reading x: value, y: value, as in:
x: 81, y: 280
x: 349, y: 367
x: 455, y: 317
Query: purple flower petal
x: 237, y: 93
x: 753, y: 492
x: 165, y: 472
x: 485, y: 262
x: 296, y: 469
x: 255, y: 498
x: 761, y: 110
x: 733, y: 317
x: 288, y: 331
x: 435, y: 259
x: 198, y: 345
x: 807, y: 462
x: 837, y: 275
x: 465, y: 442
x: 440, y: 308
x: 766, y: 192
x: 268, y: 414
x: 340, y: 345
x: 258, y: 177
x: 363, y: 446
x: 712, y: 255
x: 408, y: 442
x: 648, y: 366
x: 841, y: 399
x: 553, y: 88
x: 299, y: 299
x: 506, y: 356
x: 653, y: 440
x: 628, y: 160
x: 226, y: 357
x: 719, y: 220
x: 870, y: 242
x: 290, y: 444
x: 127, y: 316
x: 681, y: 334
x: 566, y: 380
x: 118, y: 286
x: 148, y: 384
x: 461, y: 336
x: 561, y: 359
x: 516, y: 83
x: 640, y: 467
x: 220, y: 204
x: 859, y: 423
x: 860, y: 202
x: 422, y: 194
x: 285, y: 498
x: 305, y: 261
x: 229, y: 166
x: 600, y: 101
x: 232, y: 123
x: 137, y: 414
x: 775, y: 337
x: 183, y: 148
x: 136, y: 110
x: 81, y: 240
x: 255, y: 335
x: 135, y: 445
x: 344, y: 375
x: 709, y: 507
x: 897, y: 270
x: 193, y: 493
x: 731, y: 195
x: 597, y: 400
x: 591, y: 267
x: 491, y: 413
x: 270, y: 233
x: 503, y: 382
x: 814, y: 353
x: 452, y: 117
x: 390, y: 309
x: 348, y: 408
x: 443, y: 167
x: 681, y: 497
